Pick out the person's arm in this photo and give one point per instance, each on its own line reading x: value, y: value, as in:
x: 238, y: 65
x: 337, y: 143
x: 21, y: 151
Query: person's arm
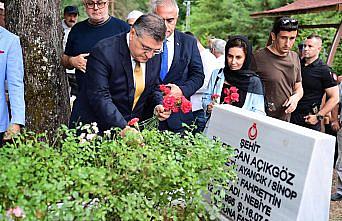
x: 292, y: 101
x: 15, y: 76
x: 207, y: 102
x: 335, y: 123
x: 69, y: 59
x: 333, y: 94
x: 79, y: 62
x: 98, y: 93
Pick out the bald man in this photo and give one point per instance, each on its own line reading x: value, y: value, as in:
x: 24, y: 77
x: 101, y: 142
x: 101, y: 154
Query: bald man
x: 316, y: 80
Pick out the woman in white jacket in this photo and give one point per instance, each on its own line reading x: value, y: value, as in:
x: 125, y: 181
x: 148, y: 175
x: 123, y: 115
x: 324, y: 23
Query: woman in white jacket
x: 236, y: 74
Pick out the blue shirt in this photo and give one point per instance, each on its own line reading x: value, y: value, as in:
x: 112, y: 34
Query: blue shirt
x: 11, y: 68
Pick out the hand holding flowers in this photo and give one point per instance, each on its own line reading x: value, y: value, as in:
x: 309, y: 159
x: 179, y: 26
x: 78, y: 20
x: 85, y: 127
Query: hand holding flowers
x: 231, y: 96
x: 161, y: 113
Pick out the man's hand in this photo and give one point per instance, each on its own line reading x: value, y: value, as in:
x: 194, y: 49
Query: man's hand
x: 12, y: 130
x: 175, y: 90
x: 210, y: 107
x: 137, y: 139
x: 126, y: 129
x: 79, y: 62
x: 335, y: 125
x: 311, y: 119
x: 160, y: 112
x: 291, y: 103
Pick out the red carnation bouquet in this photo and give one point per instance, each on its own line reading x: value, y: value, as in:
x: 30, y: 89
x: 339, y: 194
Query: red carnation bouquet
x: 231, y: 95
x: 170, y: 103
x: 174, y: 104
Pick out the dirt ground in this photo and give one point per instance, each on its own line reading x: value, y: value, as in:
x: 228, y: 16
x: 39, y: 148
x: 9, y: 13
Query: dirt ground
x: 335, y: 207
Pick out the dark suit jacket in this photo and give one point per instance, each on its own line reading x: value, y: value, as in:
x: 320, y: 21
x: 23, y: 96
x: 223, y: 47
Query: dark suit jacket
x: 108, y: 94
x: 186, y: 71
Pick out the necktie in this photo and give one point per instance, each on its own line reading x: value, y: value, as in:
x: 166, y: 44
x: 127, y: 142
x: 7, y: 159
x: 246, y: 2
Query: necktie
x: 139, y: 83
x: 164, y: 66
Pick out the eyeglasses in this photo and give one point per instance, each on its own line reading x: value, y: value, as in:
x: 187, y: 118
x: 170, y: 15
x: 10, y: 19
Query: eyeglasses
x: 100, y: 5
x: 290, y: 21
x: 147, y: 49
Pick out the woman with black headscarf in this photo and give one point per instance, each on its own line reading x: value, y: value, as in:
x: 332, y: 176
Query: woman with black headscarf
x: 236, y: 84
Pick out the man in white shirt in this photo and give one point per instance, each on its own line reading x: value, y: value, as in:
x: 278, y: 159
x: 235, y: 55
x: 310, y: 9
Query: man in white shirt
x: 209, y: 65
x: 70, y: 19
x: 217, y: 49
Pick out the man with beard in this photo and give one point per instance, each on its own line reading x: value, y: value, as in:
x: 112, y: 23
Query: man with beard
x: 70, y: 19
x: 280, y: 71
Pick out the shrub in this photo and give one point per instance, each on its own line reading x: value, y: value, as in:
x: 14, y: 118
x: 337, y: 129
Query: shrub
x: 136, y: 177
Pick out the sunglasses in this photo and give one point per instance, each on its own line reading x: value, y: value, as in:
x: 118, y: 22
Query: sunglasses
x: 290, y: 21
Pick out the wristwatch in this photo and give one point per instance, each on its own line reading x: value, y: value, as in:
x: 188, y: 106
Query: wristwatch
x: 319, y: 117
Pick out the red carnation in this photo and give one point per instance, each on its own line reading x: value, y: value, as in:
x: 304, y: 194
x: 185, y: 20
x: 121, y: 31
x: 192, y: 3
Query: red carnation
x: 186, y: 105
x: 234, y: 97
x: 169, y: 102
x: 233, y: 89
x: 175, y: 109
x: 165, y: 89
x: 226, y: 91
x: 227, y: 100
x: 133, y: 122
x: 214, y: 96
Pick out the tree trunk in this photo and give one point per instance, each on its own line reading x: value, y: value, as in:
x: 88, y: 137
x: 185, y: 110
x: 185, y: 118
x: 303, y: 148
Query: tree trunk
x: 38, y: 24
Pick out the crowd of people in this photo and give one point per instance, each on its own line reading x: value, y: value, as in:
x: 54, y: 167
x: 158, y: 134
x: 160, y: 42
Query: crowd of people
x: 115, y: 68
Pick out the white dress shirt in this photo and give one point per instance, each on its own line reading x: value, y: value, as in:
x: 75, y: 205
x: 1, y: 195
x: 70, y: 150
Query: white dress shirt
x: 170, y: 42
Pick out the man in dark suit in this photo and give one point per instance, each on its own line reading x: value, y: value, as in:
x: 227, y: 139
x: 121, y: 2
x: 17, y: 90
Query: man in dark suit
x: 122, y: 72
x: 181, y: 67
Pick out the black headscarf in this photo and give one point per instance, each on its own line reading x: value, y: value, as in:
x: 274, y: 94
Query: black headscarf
x: 244, y: 79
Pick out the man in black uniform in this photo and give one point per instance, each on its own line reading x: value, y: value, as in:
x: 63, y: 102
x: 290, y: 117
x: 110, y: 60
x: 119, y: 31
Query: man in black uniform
x: 316, y: 80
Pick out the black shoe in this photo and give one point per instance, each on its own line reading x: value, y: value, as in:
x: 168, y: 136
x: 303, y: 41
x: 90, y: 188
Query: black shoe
x: 336, y: 197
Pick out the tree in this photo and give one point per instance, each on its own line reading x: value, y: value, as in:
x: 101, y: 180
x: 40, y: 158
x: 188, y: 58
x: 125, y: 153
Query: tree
x: 221, y: 18
x: 38, y: 24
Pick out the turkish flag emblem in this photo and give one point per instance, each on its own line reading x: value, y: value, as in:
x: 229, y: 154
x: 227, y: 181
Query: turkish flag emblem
x: 1, y: 51
x: 253, y: 132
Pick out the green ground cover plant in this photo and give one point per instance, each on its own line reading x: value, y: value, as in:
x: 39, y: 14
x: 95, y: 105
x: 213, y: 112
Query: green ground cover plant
x: 151, y: 175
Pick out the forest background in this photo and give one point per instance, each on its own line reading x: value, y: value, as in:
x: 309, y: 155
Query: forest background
x: 221, y: 18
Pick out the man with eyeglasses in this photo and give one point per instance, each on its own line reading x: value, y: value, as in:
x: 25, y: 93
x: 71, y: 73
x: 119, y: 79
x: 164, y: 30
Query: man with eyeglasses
x: 181, y: 67
x: 122, y: 72
x: 84, y: 35
x: 280, y: 70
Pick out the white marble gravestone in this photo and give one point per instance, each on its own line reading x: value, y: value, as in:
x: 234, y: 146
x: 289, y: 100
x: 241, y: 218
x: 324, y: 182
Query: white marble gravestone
x: 284, y: 170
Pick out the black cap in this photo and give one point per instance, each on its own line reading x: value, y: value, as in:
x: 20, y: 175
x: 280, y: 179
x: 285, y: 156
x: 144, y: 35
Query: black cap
x: 71, y: 10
